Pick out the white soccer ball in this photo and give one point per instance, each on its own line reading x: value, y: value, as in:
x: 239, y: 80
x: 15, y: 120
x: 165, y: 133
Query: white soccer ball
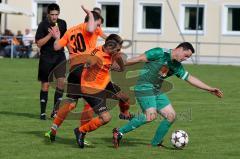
x: 179, y: 139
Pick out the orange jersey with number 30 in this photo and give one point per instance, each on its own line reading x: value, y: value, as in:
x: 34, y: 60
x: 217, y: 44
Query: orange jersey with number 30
x: 78, y: 39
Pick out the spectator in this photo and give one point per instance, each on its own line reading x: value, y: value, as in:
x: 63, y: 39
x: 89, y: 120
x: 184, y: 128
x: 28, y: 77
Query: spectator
x: 19, y: 37
x: 12, y: 43
x: 28, y: 39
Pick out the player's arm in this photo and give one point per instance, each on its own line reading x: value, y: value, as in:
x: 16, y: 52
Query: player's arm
x: 134, y: 60
x: 104, y: 36
x: 194, y: 81
x: 56, y: 35
x: 41, y: 37
x: 118, y: 62
x: 90, y: 23
x: 57, y: 45
x: 44, y: 40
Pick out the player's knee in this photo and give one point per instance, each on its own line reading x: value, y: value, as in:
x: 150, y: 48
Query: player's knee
x: 69, y: 103
x: 45, y: 86
x: 151, y: 116
x: 105, y: 117
x: 123, y: 97
x: 60, y: 83
x: 171, y: 117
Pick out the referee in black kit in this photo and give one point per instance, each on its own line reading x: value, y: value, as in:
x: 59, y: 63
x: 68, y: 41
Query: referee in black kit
x: 49, y: 58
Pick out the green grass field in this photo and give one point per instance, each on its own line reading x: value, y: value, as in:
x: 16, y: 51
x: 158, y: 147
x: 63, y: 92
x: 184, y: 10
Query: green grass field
x: 212, y: 123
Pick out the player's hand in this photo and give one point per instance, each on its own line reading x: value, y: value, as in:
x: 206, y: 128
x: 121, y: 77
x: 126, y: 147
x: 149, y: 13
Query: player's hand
x: 54, y: 31
x: 85, y: 10
x: 118, y: 61
x: 217, y: 92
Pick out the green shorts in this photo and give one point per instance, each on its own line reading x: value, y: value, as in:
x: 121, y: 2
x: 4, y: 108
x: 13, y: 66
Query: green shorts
x: 158, y: 102
x: 150, y: 98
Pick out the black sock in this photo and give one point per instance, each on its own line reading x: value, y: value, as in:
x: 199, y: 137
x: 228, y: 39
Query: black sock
x: 57, y: 98
x: 43, y: 100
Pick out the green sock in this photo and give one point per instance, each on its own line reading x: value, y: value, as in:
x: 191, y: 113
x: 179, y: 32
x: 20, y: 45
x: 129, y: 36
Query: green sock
x: 161, y: 132
x: 134, y: 123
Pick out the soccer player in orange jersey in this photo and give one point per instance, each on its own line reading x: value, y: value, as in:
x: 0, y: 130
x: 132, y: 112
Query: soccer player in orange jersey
x: 78, y: 39
x: 96, y: 85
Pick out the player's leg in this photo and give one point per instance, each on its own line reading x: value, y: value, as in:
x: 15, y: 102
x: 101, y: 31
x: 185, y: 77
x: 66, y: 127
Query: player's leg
x: 43, y: 99
x: 86, y: 114
x: 59, y: 71
x: 148, y: 105
x: 43, y: 73
x: 98, y: 103
x: 114, y: 92
x: 66, y: 106
x: 169, y: 114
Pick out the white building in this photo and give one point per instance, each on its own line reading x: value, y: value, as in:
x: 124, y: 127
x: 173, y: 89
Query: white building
x: 152, y: 23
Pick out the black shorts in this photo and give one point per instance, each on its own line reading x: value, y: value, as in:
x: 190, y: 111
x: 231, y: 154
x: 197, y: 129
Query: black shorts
x: 74, y: 82
x: 98, y: 101
x: 51, y: 66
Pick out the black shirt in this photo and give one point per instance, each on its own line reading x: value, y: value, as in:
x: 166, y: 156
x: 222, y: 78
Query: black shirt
x: 42, y: 31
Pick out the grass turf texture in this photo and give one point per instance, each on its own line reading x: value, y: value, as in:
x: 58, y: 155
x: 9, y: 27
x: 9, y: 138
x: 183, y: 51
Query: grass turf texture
x: 212, y: 124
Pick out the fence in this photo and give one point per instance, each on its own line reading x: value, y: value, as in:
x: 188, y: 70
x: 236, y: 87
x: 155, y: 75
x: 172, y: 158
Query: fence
x: 10, y: 41
x: 206, y: 52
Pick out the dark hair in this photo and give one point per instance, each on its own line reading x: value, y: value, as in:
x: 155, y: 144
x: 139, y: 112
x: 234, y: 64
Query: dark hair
x: 96, y: 9
x: 53, y: 6
x: 115, y: 38
x: 112, y: 41
x: 96, y: 17
x: 186, y: 46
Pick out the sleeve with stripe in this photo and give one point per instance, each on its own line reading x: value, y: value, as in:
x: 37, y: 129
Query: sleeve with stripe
x: 181, y: 73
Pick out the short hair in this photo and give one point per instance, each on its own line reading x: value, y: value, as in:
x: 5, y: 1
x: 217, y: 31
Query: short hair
x: 98, y: 10
x: 53, y: 6
x: 115, y: 38
x: 96, y: 17
x: 112, y: 41
x: 186, y: 46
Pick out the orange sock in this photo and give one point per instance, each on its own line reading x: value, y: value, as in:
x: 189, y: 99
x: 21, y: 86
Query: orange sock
x: 87, y: 114
x: 124, y: 107
x: 91, y: 125
x: 62, y: 113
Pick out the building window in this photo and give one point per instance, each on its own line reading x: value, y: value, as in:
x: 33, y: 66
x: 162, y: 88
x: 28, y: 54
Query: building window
x: 152, y: 17
x: 40, y: 11
x: 190, y: 20
x: 231, y: 20
x: 149, y: 17
x: 111, y: 13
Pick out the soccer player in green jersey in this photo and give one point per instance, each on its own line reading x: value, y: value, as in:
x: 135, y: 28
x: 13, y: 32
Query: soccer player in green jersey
x: 159, y: 64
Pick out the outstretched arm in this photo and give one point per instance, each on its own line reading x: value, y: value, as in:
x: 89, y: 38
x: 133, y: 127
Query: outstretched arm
x: 199, y: 84
x: 90, y: 23
x: 134, y: 60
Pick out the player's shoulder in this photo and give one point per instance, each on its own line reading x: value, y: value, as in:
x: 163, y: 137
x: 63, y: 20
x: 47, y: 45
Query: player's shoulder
x: 73, y: 29
x: 43, y: 23
x: 156, y: 50
x: 61, y: 20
